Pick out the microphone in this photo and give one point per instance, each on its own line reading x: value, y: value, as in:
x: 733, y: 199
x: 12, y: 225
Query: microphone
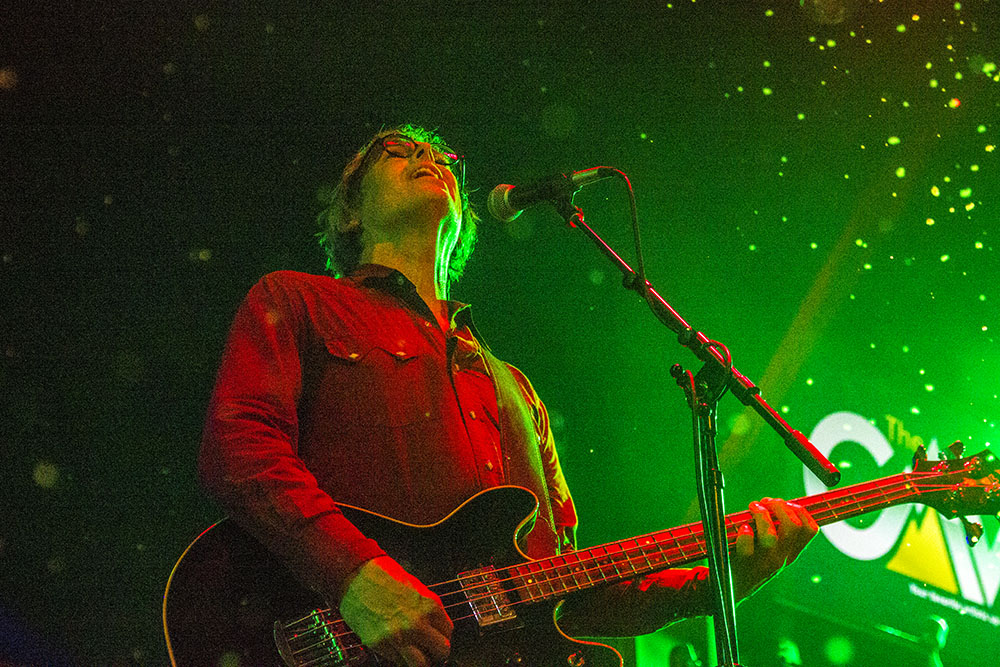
x: 506, y: 202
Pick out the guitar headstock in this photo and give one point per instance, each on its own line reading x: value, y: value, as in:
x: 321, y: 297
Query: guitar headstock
x: 957, y: 487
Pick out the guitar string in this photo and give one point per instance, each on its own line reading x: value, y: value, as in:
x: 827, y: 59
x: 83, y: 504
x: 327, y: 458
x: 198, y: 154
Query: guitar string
x: 322, y: 659
x: 858, y: 500
x: 829, y: 511
x: 670, y: 552
x: 635, y: 571
x: 361, y: 646
x: 694, y: 534
x: 691, y: 538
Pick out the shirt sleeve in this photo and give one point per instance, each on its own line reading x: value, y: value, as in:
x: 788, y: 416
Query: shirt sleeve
x: 638, y: 606
x: 249, y: 460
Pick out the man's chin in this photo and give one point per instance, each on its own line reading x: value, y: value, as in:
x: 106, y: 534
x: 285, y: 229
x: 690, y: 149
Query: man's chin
x: 431, y: 212
x: 440, y: 200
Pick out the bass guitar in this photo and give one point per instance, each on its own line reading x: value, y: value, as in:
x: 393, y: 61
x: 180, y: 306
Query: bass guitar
x: 228, y: 601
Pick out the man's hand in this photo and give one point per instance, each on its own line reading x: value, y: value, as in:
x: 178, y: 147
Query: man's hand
x: 775, y: 535
x: 395, y: 615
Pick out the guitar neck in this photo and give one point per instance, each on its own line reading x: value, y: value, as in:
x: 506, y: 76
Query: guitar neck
x: 617, y: 561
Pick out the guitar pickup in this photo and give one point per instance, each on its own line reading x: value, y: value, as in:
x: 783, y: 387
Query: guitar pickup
x: 486, y: 596
x: 314, y: 639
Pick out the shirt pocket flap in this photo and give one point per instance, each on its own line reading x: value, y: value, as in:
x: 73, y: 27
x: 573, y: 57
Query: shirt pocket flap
x: 346, y: 349
x: 353, y: 350
x: 389, y: 383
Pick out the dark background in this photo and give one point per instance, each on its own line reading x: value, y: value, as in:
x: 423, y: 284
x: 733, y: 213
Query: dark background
x: 157, y: 160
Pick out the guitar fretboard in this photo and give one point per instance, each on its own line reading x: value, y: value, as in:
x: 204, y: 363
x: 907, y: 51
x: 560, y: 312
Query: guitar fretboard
x: 617, y: 561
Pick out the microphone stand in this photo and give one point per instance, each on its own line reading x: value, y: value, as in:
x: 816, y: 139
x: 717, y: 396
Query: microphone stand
x: 703, y: 391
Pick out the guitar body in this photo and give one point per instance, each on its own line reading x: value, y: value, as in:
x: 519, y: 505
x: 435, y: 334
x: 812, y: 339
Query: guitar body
x: 227, y: 591
x: 229, y: 602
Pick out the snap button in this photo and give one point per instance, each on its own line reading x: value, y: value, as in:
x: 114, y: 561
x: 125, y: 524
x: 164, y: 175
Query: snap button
x: 489, y: 465
x: 354, y: 355
x: 472, y: 413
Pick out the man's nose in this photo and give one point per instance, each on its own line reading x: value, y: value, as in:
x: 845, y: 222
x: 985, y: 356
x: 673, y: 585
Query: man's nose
x: 423, y: 151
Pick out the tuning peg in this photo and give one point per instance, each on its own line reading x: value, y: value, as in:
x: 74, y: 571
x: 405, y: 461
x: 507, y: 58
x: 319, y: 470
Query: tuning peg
x: 973, y: 531
x: 919, y: 455
x: 957, y: 449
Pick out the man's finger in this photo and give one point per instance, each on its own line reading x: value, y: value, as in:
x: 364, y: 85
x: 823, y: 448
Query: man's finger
x: 440, y: 621
x: 807, y: 519
x: 787, y: 521
x: 412, y: 656
x: 744, y: 541
x: 767, y: 534
x: 434, y: 644
x: 795, y: 527
x: 808, y: 530
x: 385, y: 649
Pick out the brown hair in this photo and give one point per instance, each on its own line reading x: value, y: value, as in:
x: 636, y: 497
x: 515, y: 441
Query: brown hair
x: 343, y: 249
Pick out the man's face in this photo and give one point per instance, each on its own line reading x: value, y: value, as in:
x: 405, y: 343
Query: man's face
x: 406, y: 190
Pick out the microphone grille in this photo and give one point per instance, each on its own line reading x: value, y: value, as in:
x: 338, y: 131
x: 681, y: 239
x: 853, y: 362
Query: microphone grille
x: 498, y: 206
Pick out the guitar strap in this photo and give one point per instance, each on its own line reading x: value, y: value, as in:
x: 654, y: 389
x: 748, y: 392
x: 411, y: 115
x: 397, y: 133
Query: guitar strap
x: 522, y: 461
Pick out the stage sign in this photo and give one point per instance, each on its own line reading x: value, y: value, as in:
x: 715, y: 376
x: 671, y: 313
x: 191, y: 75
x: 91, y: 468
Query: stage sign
x: 913, y: 540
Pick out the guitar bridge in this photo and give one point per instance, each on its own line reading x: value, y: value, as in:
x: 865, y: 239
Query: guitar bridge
x: 487, y: 598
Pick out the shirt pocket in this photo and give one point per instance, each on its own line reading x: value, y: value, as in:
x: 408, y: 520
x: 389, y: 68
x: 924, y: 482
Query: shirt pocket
x: 387, y: 384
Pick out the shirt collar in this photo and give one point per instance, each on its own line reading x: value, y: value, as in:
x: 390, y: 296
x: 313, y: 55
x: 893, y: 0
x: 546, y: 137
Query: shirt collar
x: 390, y: 281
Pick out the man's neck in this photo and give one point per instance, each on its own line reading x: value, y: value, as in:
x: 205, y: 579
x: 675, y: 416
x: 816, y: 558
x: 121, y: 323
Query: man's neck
x: 419, y: 266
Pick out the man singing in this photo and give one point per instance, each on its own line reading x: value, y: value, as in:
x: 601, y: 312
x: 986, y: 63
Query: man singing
x: 374, y: 389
